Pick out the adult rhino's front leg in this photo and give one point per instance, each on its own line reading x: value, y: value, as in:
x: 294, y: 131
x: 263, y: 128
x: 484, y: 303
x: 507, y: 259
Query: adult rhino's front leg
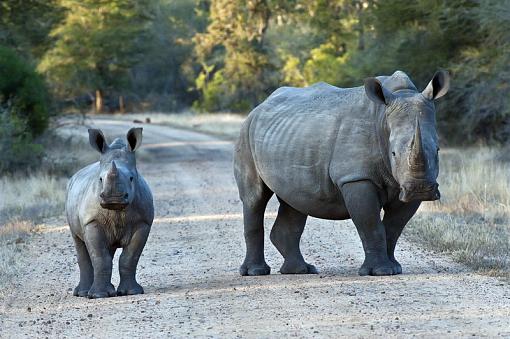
x: 396, y: 216
x: 363, y: 204
x: 101, y: 259
x: 129, y: 260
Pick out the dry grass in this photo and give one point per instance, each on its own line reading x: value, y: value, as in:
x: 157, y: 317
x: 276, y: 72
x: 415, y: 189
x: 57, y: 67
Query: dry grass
x: 28, y: 198
x: 471, y: 221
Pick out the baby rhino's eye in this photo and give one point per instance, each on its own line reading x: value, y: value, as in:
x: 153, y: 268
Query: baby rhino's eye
x: 131, y: 179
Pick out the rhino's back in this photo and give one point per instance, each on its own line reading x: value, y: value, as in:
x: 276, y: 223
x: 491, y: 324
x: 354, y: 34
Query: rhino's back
x: 293, y: 136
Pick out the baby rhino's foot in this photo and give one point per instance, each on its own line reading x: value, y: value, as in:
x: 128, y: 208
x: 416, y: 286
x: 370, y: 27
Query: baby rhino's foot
x: 254, y: 269
x: 104, y: 291
x: 129, y: 288
x: 397, y: 268
x: 81, y: 291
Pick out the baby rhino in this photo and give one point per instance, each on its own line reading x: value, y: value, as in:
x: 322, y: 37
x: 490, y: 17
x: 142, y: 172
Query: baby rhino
x: 109, y: 205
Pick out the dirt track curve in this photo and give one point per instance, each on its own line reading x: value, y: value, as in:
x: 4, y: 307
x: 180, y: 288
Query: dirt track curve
x: 189, y: 270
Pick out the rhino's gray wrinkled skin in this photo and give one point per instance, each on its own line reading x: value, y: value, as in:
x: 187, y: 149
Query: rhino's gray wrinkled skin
x: 338, y: 153
x: 109, y: 206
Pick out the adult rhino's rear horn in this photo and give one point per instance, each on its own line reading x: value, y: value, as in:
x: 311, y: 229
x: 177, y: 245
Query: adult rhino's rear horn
x: 417, y: 160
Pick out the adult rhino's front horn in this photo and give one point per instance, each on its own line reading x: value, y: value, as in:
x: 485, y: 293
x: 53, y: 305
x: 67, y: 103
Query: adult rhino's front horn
x: 417, y: 160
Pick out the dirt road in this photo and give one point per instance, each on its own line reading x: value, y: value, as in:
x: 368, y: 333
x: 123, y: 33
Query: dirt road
x: 190, y: 271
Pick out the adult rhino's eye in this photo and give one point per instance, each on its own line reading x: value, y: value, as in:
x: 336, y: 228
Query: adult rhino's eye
x: 100, y: 179
x: 131, y: 179
x: 393, y: 153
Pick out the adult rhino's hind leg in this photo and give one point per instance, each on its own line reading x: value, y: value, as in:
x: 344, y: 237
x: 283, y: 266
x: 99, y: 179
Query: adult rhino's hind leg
x: 253, y: 217
x: 254, y: 194
x: 286, y: 235
x: 362, y: 202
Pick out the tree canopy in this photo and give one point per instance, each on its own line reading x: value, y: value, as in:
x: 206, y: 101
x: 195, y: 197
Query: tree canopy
x: 218, y: 55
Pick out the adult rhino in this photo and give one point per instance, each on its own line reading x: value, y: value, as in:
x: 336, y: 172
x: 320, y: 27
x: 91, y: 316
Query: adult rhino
x: 338, y: 153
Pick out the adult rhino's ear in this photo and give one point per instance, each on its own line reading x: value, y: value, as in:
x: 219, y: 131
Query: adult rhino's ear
x: 97, y: 140
x: 376, y: 92
x: 438, y: 86
x: 134, y: 138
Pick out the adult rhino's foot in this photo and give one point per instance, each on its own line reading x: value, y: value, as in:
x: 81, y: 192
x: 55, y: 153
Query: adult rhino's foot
x: 297, y: 267
x: 397, y: 268
x: 129, y: 288
x: 254, y: 269
x: 81, y: 291
x: 380, y: 268
x: 104, y: 291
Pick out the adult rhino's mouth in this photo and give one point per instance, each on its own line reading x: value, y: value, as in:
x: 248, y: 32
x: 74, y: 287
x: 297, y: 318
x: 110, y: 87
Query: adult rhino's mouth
x: 419, y: 191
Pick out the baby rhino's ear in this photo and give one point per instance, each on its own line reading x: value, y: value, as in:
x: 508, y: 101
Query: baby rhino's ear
x: 97, y: 140
x: 134, y: 138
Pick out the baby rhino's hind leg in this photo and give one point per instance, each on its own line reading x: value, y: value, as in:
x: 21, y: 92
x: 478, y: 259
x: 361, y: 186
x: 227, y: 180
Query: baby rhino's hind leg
x: 286, y: 235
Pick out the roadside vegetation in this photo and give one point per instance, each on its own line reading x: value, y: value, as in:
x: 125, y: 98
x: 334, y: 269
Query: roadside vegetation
x: 472, y: 219
x: 28, y: 196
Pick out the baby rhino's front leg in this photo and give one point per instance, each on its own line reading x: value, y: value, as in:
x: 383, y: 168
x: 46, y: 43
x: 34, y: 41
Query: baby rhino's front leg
x: 101, y: 259
x: 129, y: 260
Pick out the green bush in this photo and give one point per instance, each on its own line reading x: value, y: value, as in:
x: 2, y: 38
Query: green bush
x: 17, y: 150
x: 23, y: 92
x: 23, y: 112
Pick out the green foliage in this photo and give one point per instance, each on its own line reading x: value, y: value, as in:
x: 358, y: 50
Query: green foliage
x: 482, y: 85
x: 23, y: 112
x: 96, y: 45
x: 25, y: 25
x: 23, y: 93
x: 231, y: 54
x: 17, y: 149
x: 166, y: 73
x: 234, y: 43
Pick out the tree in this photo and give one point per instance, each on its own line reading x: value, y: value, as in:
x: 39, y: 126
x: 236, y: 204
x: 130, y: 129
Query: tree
x: 23, y: 111
x: 96, y: 45
x: 236, y: 71
x: 25, y: 25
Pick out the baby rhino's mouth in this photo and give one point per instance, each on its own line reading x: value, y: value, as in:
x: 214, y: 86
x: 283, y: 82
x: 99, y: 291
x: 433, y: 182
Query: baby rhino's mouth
x: 114, y: 202
x: 419, y: 191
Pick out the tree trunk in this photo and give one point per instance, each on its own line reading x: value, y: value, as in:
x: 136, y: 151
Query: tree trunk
x: 121, y: 104
x: 99, y: 102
